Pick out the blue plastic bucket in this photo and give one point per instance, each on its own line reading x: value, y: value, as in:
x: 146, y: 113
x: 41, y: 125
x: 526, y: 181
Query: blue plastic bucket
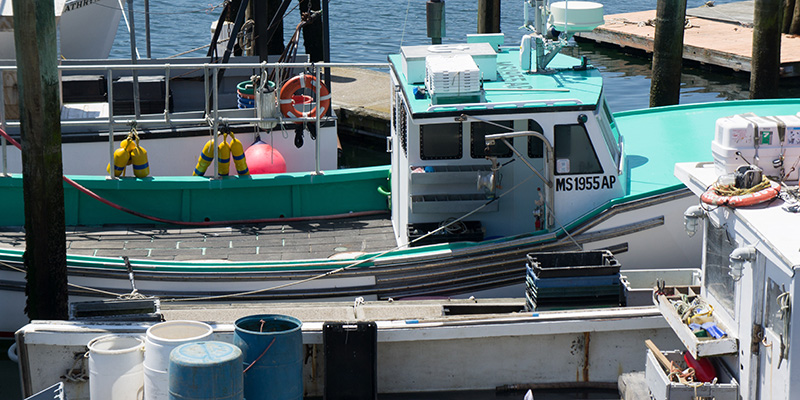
x: 277, y: 373
x: 205, y: 371
x: 247, y: 103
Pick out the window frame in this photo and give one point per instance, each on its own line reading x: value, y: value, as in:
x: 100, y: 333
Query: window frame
x: 460, y: 142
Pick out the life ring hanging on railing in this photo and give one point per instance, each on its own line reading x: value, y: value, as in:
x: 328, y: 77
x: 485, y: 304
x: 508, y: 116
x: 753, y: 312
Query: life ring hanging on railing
x: 289, y: 98
x: 712, y: 197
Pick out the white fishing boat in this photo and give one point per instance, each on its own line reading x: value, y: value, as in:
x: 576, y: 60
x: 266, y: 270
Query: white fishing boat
x: 521, y: 155
x: 414, y: 346
x: 86, y: 28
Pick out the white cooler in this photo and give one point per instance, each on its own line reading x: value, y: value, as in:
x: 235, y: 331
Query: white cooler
x: 760, y: 141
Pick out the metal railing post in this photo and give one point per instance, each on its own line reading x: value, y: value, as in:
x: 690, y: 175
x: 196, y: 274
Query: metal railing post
x: 317, y: 116
x: 110, y: 90
x: 3, y: 122
x: 216, y: 122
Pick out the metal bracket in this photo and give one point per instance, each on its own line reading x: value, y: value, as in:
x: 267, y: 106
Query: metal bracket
x: 757, y: 337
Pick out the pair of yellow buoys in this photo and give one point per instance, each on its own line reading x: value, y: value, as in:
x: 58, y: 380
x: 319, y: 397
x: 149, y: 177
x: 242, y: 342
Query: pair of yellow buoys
x: 224, y: 151
x: 130, y: 152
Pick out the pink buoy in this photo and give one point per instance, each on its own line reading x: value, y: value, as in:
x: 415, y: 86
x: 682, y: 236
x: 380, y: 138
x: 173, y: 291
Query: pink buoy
x: 263, y: 159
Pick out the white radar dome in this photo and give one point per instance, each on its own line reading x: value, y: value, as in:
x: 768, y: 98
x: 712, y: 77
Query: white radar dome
x: 576, y: 16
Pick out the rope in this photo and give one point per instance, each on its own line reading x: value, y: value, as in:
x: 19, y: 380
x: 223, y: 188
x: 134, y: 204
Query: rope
x: 731, y: 190
x: 206, y: 10
x: 405, y: 22
x: 262, y: 354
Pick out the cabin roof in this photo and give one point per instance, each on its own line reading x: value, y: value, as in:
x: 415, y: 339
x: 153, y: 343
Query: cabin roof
x: 538, y: 90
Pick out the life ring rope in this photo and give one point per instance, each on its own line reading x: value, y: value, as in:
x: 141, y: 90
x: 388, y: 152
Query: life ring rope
x: 731, y: 196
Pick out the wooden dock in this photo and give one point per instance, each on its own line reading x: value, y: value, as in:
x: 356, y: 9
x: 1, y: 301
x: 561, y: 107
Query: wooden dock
x: 361, y: 98
x: 721, y: 36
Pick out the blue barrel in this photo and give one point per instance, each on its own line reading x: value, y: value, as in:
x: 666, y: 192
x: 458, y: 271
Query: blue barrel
x: 206, y: 370
x: 277, y: 373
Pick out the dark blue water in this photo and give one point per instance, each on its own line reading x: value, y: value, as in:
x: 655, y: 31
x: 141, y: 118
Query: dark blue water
x: 368, y: 30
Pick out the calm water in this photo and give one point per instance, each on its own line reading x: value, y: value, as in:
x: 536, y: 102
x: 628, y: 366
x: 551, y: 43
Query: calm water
x: 366, y: 31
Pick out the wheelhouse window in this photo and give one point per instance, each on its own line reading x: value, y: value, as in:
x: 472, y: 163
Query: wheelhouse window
x: 478, y: 147
x: 775, y: 319
x: 610, y: 133
x: 535, y: 145
x: 574, y: 151
x: 440, y: 141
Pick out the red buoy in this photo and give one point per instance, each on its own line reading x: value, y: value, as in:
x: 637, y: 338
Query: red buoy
x: 263, y: 159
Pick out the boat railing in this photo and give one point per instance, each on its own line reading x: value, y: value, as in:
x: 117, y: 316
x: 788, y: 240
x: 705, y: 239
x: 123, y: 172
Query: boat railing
x: 211, y: 115
x: 504, y: 104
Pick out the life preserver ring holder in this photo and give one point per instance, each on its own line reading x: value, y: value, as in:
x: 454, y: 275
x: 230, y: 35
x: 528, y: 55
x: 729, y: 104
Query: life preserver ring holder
x: 289, y: 97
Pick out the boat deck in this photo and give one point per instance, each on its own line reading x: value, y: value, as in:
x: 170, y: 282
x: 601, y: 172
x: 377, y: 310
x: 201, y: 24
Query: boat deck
x: 287, y: 241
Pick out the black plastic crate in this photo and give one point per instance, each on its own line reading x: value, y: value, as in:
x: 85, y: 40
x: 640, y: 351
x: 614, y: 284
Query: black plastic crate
x: 472, y: 231
x: 351, y: 360
x: 573, y: 263
x: 150, y: 88
x: 84, y: 89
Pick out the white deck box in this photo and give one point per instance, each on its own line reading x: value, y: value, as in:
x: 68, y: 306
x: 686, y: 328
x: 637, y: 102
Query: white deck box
x: 662, y: 388
x: 495, y: 39
x: 413, y: 59
x: 757, y: 140
x: 452, y: 75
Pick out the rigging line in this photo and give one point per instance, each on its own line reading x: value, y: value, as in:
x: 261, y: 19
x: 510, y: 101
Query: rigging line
x: 101, y: 291
x: 357, y: 263
x: 405, y: 22
x: 206, y: 10
x: 127, y: 24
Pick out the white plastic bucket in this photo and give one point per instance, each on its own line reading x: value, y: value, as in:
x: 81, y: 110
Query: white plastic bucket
x: 115, y: 368
x: 161, y: 339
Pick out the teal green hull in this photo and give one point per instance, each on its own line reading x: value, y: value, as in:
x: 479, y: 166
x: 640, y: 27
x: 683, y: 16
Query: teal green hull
x: 199, y: 199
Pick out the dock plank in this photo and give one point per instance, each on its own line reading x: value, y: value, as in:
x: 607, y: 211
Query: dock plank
x: 726, y: 45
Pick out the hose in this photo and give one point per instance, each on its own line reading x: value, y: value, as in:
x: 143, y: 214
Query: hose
x: 109, y: 203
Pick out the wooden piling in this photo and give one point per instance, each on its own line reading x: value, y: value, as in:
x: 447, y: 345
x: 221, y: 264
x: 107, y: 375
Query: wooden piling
x: 434, y: 16
x: 488, y: 16
x: 788, y: 13
x: 667, y: 53
x: 766, y: 58
x: 794, y: 26
x: 268, y: 26
x: 45, y: 255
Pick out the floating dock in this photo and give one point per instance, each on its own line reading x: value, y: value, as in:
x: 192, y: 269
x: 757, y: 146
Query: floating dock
x: 715, y: 35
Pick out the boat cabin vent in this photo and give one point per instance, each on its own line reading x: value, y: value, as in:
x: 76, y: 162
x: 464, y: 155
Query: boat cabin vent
x: 401, y: 119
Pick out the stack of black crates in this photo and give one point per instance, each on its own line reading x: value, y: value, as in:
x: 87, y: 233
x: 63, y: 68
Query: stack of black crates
x: 572, y: 279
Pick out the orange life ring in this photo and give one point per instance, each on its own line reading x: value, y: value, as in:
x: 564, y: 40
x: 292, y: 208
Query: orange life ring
x: 289, y: 98
x: 712, y: 197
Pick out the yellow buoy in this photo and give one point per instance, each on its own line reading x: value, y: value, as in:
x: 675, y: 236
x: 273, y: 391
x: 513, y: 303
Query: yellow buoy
x: 121, y: 159
x: 205, y: 159
x: 224, y: 154
x: 141, y: 168
x: 237, y: 151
